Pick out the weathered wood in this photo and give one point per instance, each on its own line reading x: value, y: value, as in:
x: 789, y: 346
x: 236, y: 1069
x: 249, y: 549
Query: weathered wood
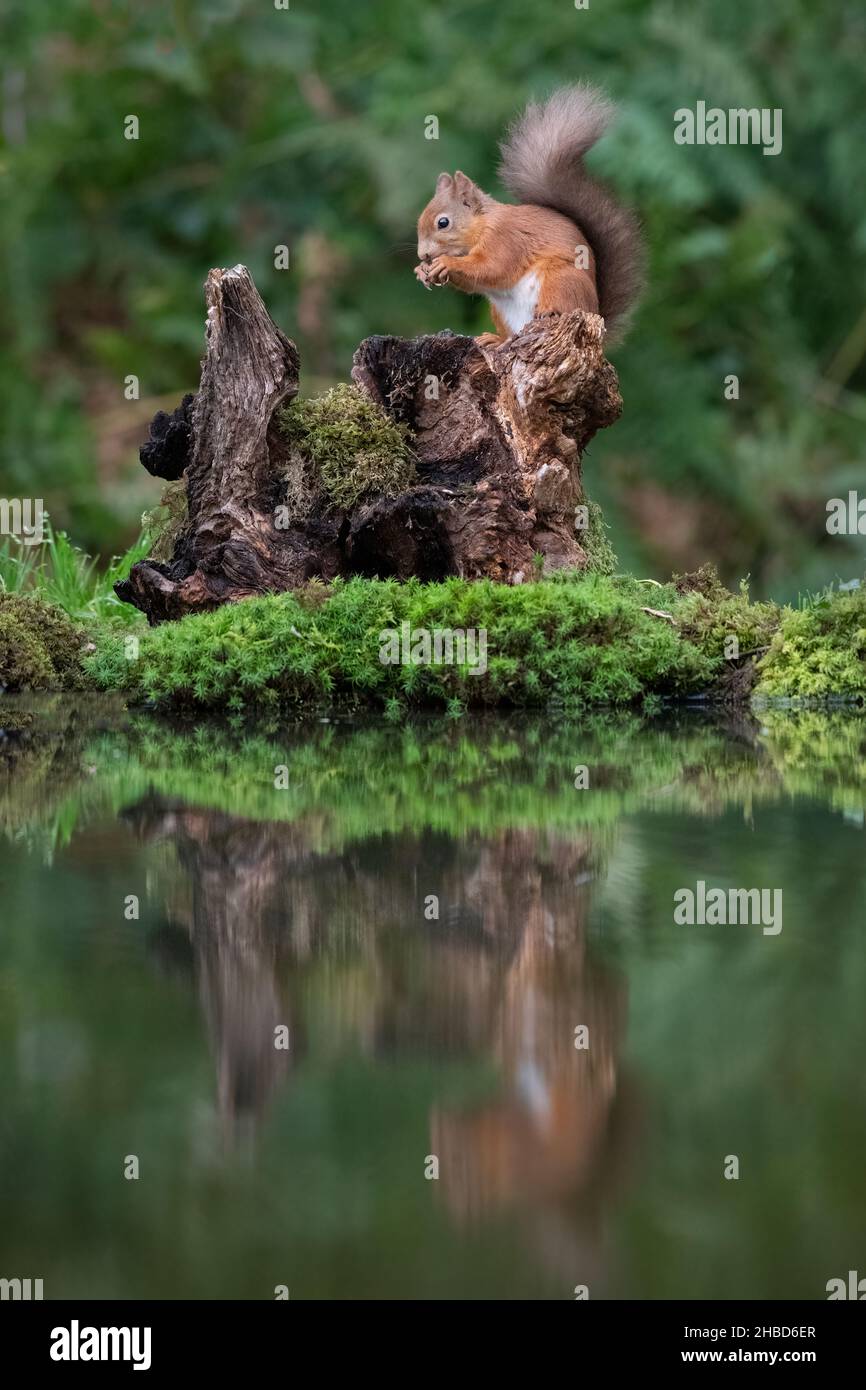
x: 227, y: 550
x: 498, y: 435
x: 497, y: 432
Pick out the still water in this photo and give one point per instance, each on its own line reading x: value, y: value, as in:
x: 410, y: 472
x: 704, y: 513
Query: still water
x: 466, y: 934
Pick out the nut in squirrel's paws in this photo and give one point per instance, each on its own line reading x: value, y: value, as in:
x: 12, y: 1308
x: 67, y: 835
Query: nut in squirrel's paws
x: 432, y: 273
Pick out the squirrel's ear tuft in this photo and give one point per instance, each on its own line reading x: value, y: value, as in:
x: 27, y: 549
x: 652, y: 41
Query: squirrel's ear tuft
x: 467, y: 191
x: 444, y: 181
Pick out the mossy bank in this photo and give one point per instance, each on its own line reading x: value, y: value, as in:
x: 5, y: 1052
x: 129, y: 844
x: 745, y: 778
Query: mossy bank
x: 575, y: 640
x: 41, y: 648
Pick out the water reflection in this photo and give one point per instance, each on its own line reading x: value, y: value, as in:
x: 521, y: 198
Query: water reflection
x: 501, y: 969
x: 432, y: 913
x: 235, y: 871
x: 550, y: 1143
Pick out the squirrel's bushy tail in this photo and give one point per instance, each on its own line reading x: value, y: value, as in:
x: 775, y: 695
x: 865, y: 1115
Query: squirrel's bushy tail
x: 542, y: 162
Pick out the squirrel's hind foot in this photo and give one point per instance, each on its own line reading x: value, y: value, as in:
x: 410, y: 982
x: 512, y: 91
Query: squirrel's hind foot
x: 490, y: 340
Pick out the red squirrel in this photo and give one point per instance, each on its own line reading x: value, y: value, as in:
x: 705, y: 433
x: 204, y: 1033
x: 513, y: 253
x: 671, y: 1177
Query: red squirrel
x: 566, y: 245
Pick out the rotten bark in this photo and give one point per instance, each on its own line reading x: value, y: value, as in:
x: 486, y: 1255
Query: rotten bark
x: 498, y: 435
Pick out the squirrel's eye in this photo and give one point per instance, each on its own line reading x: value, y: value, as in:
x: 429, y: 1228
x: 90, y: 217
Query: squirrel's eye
x: 442, y: 222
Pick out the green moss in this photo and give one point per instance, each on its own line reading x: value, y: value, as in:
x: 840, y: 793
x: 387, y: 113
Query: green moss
x: 40, y: 647
x: 163, y: 524
x: 726, y: 625
x: 595, y: 540
x: 572, y: 638
x: 587, y: 641
x: 353, y: 448
x: 819, y: 651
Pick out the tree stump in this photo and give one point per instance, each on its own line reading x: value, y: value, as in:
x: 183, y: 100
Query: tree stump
x: 497, y: 432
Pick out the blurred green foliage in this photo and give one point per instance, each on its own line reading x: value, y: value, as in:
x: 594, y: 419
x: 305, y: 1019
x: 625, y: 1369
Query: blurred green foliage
x: 305, y: 127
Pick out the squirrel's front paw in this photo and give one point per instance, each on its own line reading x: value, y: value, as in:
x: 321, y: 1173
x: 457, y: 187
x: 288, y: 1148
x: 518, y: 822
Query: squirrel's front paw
x: 437, y: 271
x: 432, y: 273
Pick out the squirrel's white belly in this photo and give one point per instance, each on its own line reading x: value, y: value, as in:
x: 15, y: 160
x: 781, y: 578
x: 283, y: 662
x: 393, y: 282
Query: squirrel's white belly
x: 517, y: 305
